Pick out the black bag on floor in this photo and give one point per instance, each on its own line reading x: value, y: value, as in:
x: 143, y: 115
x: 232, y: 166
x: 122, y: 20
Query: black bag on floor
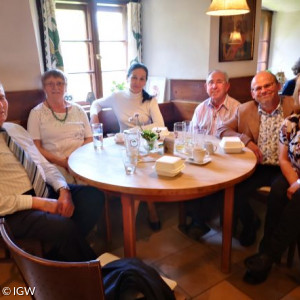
x: 125, y: 278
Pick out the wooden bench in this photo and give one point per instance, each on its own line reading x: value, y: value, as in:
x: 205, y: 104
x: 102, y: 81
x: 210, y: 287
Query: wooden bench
x: 172, y: 111
x: 185, y: 96
x: 194, y: 90
x: 20, y: 103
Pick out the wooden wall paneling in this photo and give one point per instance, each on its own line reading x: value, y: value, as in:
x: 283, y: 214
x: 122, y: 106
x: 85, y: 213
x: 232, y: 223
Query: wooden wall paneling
x: 240, y: 88
x: 194, y: 90
x: 20, y: 103
x: 191, y: 90
x: 184, y: 110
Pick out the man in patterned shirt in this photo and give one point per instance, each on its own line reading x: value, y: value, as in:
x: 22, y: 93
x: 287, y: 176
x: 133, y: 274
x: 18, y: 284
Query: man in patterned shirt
x: 257, y: 123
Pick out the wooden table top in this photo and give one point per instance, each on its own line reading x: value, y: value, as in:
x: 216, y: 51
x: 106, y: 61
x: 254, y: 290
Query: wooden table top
x: 105, y: 170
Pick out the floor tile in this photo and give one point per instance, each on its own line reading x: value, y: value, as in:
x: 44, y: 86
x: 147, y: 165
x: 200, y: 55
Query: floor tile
x: 223, y: 290
x: 277, y: 285
x: 194, y: 265
x: 11, y: 281
x: 161, y: 244
x: 195, y: 268
x: 293, y: 295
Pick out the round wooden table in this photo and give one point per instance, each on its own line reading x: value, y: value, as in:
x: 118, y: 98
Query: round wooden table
x: 104, y: 169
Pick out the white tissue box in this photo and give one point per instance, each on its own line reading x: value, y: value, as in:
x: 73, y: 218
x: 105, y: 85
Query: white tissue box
x: 169, y: 166
x: 232, y: 144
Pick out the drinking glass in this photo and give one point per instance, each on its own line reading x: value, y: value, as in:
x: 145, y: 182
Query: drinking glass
x: 132, y: 141
x: 200, y: 134
x: 179, y: 136
x: 97, y: 129
x: 130, y: 160
x: 189, y: 138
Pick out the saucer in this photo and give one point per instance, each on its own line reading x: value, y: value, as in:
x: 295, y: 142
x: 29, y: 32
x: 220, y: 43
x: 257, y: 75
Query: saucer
x: 205, y: 161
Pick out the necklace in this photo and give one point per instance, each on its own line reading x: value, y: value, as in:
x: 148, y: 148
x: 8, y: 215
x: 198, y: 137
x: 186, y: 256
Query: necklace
x: 55, y: 116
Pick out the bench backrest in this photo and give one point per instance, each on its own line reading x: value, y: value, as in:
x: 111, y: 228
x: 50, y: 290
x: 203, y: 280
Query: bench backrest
x: 194, y: 90
x: 172, y: 111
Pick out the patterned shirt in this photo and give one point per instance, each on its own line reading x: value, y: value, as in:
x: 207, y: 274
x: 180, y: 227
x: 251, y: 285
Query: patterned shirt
x: 207, y: 117
x: 268, y: 138
x: 290, y: 136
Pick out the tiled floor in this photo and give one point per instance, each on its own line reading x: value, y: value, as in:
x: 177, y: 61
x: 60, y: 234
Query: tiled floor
x: 195, y: 266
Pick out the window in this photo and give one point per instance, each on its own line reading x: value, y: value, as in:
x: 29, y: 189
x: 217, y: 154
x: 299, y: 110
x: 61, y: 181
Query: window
x: 264, y: 40
x: 89, y: 33
x: 113, y: 45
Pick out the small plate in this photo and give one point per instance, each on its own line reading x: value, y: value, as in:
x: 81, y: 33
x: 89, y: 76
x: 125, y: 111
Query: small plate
x: 205, y: 161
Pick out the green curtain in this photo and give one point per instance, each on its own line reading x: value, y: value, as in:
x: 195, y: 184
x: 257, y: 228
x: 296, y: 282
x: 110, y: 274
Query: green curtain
x: 134, y: 32
x: 53, y: 53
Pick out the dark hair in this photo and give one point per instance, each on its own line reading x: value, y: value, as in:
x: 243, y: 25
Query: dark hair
x: 134, y: 66
x: 296, y: 67
x: 54, y: 73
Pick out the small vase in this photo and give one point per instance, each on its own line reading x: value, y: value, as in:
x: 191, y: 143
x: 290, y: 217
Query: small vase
x: 150, y: 146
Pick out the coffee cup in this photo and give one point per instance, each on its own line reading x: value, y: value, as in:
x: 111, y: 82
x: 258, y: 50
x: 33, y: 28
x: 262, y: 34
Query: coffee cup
x: 210, y: 147
x: 199, y: 154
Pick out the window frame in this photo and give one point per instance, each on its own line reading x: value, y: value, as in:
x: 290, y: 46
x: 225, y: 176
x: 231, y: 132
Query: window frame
x: 264, y: 40
x: 91, y: 7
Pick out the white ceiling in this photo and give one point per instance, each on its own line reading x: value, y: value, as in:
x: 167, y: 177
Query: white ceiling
x: 282, y: 5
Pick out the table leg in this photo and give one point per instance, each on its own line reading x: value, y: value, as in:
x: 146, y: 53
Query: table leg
x: 227, y: 229
x: 128, y: 225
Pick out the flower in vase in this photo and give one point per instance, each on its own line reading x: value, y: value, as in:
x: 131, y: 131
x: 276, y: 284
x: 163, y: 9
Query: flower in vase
x: 146, y: 134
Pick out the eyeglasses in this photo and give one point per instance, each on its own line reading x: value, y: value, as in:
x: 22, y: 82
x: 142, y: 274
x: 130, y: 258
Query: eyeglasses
x: 218, y: 82
x: 267, y: 86
x: 59, y: 84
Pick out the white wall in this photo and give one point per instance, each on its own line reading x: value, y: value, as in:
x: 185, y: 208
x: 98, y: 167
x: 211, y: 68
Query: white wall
x: 238, y: 68
x: 19, y: 60
x: 285, y: 42
x: 181, y: 41
x: 176, y: 38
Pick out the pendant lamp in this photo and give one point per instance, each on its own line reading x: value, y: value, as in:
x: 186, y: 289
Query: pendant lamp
x: 228, y: 8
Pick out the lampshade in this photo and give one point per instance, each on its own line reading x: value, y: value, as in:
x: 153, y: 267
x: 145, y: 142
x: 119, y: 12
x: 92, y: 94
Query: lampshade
x: 228, y: 7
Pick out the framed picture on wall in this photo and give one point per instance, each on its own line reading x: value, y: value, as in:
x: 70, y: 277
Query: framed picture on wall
x: 156, y: 87
x: 236, y: 36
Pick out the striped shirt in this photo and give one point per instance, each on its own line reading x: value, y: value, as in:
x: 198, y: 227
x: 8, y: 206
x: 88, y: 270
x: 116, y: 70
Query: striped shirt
x: 208, y: 118
x: 13, y: 178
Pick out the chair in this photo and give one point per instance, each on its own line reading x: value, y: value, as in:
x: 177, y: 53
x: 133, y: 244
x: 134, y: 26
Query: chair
x: 30, y: 245
x: 53, y: 279
x: 63, y: 280
x: 110, y: 122
x: 6, y: 257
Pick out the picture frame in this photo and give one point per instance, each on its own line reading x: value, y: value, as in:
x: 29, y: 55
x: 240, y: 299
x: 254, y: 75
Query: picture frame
x: 156, y: 87
x: 236, y: 36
